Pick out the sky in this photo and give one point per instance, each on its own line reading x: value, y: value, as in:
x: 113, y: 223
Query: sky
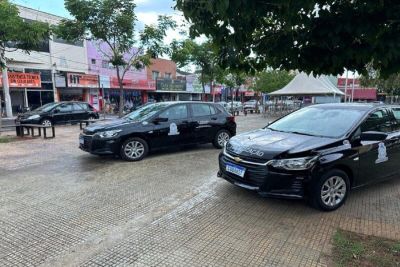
x: 147, y: 11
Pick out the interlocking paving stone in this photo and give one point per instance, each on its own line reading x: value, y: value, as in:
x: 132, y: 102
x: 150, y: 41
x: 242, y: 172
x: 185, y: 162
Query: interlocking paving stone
x: 62, y: 207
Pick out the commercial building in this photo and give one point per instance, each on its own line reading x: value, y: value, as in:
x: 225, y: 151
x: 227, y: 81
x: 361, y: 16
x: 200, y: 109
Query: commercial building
x: 135, y: 83
x: 354, y: 91
x: 54, y: 55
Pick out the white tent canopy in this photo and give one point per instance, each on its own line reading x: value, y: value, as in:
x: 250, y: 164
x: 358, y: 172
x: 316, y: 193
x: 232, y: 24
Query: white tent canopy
x: 304, y: 84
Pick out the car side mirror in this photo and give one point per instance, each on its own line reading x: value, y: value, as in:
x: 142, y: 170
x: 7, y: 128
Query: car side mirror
x: 160, y: 119
x: 373, y: 136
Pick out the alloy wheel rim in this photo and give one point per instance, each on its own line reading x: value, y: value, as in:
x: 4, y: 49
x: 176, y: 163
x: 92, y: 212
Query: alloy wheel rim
x: 333, y: 191
x: 46, y: 123
x: 223, y: 138
x: 134, y: 149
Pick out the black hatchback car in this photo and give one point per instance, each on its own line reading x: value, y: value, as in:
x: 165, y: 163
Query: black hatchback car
x: 59, y: 113
x: 319, y: 152
x: 157, y: 126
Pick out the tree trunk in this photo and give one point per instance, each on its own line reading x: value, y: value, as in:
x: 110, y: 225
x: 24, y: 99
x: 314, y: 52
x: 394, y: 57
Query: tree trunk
x: 202, y: 85
x: 121, y: 94
x: 212, y: 91
x: 6, y: 89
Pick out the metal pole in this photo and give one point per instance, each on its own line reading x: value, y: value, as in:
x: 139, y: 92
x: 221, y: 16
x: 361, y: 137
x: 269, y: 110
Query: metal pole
x: 352, y: 90
x: 345, y: 86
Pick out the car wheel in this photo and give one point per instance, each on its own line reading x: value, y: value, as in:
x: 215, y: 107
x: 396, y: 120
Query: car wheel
x: 46, y: 122
x: 221, y: 138
x: 134, y: 149
x: 330, y: 192
x: 91, y: 118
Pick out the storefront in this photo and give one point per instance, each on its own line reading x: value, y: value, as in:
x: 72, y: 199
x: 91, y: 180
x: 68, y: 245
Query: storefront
x: 170, y: 90
x: 79, y: 87
x: 136, y: 92
x: 32, y: 88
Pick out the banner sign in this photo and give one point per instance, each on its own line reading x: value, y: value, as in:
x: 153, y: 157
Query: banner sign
x: 249, y: 93
x: 60, y: 80
x: 23, y: 80
x: 76, y: 80
x: 171, y: 85
x: 105, y: 81
x: 149, y: 85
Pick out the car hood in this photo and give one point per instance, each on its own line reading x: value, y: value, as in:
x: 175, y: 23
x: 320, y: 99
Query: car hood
x: 30, y: 113
x: 108, y: 125
x: 267, y: 144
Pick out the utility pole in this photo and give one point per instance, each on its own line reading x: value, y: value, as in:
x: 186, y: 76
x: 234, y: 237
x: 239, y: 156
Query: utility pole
x: 6, y: 88
x: 345, y: 86
x: 352, y: 89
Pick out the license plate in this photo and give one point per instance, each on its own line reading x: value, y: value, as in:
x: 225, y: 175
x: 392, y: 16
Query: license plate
x: 235, y: 169
x: 81, y: 141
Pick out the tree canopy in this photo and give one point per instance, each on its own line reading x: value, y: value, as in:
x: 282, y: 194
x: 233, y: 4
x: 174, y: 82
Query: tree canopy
x: 322, y: 37
x: 113, y: 22
x: 271, y: 80
x: 15, y: 33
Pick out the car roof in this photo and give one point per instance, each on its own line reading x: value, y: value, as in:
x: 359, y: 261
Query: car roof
x: 357, y: 106
x: 185, y: 102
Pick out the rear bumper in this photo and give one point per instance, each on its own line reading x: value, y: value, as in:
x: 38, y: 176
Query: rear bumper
x: 96, y: 146
x: 264, y: 181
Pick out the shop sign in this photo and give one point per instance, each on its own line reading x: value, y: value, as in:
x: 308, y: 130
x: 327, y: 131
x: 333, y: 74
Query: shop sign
x: 23, y: 80
x: 171, y: 85
x: 148, y: 85
x: 105, y: 81
x: 76, y: 80
x: 60, y: 81
x: 189, y: 82
x: 198, y: 88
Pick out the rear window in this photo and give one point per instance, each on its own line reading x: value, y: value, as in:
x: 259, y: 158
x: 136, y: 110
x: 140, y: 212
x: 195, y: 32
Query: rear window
x: 200, y: 110
x: 396, y: 113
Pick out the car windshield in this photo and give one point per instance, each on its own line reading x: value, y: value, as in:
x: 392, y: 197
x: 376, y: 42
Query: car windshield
x: 47, y: 107
x: 319, y: 121
x: 145, y: 112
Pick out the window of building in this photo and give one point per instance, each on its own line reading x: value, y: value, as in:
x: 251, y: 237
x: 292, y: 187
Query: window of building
x: 167, y: 75
x: 155, y: 75
x: 93, y: 61
x: 104, y: 64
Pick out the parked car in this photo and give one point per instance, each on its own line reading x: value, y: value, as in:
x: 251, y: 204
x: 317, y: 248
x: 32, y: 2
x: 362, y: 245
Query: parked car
x: 157, y: 126
x: 250, y: 105
x: 59, y: 113
x: 319, y: 152
x: 232, y: 107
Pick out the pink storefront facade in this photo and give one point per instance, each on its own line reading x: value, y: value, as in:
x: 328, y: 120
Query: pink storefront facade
x: 135, y: 83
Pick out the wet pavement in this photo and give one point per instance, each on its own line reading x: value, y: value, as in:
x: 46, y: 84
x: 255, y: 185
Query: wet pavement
x: 60, y: 206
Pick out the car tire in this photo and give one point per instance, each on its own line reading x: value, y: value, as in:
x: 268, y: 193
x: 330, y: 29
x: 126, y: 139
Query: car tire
x: 220, y: 138
x: 330, y: 191
x: 46, y: 122
x: 91, y: 118
x: 134, y: 149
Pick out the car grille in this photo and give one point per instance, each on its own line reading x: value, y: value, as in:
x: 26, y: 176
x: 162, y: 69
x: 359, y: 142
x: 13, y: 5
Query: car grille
x: 252, y: 159
x: 87, y: 142
x: 254, y: 175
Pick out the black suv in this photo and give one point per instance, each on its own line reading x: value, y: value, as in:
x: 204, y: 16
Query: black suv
x: 59, y: 113
x: 319, y: 152
x: 160, y: 125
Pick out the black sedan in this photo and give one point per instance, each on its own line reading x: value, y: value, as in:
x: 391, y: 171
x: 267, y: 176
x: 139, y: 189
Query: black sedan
x: 319, y: 152
x: 59, y: 113
x: 157, y: 126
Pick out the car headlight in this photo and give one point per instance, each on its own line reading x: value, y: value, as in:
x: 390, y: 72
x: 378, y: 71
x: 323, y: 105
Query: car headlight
x: 295, y: 164
x: 108, y: 134
x: 34, y: 117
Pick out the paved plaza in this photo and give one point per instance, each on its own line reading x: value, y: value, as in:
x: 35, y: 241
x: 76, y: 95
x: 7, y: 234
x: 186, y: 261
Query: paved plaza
x: 60, y: 206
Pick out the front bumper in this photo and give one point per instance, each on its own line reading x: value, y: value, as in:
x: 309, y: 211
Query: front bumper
x: 267, y: 182
x: 97, y: 146
x: 26, y: 121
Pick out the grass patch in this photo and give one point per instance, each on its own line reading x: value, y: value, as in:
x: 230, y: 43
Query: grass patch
x: 7, y: 139
x: 351, y: 249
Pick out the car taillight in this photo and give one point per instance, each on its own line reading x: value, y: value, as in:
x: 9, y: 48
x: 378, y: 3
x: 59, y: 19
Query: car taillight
x: 230, y: 118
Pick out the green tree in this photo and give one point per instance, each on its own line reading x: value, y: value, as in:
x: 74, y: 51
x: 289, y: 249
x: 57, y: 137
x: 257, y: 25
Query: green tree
x: 271, y: 80
x: 202, y: 56
x: 16, y: 34
x: 389, y: 85
x: 113, y: 22
x: 322, y: 37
